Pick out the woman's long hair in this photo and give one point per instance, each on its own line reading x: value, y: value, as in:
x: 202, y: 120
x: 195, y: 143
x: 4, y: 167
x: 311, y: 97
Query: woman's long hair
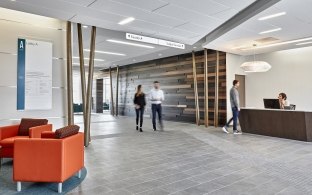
x: 139, y: 90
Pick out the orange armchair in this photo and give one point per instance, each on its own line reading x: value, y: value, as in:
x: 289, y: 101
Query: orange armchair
x: 9, y: 133
x: 48, y: 160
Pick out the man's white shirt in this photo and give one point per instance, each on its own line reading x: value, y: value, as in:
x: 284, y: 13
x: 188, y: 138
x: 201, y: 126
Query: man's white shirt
x: 156, y: 96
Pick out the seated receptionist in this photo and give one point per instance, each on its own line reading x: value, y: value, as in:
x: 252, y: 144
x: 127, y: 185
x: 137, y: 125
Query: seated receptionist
x: 282, y: 97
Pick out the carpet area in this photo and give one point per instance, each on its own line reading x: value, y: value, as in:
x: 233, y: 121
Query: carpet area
x: 8, y: 186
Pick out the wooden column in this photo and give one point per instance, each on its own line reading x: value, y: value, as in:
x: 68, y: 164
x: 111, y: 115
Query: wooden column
x: 82, y: 77
x: 70, y: 109
x: 206, y: 88
x: 90, y: 82
x: 117, y: 85
x: 195, y: 90
x: 216, y: 105
x: 111, y: 89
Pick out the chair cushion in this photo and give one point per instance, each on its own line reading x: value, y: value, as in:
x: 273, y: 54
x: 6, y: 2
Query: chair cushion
x: 27, y: 123
x: 66, y: 131
x: 9, y: 142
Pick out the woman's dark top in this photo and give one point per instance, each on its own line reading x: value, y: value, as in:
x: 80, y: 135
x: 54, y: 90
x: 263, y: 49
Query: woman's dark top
x: 139, y: 100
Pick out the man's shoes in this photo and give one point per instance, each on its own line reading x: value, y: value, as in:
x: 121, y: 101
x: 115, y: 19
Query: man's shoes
x: 137, y: 127
x: 154, y: 129
x: 236, y: 132
x: 224, y: 129
x: 141, y: 129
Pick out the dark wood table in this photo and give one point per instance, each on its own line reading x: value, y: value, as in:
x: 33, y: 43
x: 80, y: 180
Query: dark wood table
x: 290, y: 124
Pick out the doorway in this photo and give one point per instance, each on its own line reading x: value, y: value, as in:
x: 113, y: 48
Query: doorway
x: 241, y: 89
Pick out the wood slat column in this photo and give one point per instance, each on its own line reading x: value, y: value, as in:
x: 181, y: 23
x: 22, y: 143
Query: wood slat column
x: 82, y: 77
x: 216, y: 105
x: 111, y: 89
x: 206, y: 120
x: 90, y: 82
x: 195, y: 90
x: 70, y: 109
x: 117, y: 90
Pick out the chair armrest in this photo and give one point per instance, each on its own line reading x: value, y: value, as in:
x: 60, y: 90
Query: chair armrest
x: 38, y: 160
x: 73, y: 154
x: 35, y: 132
x: 8, y: 131
x: 48, y: 134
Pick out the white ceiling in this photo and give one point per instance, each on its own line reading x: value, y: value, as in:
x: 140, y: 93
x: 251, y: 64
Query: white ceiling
x: 297, y: 23
x: 176, y: 20
x: 132, y: 54
x: 183, y: 21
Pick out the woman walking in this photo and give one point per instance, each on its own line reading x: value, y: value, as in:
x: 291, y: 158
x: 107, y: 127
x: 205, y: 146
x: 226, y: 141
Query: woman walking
x: 139, y: 103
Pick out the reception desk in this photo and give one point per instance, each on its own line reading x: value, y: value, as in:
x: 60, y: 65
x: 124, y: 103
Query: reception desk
x: 290, y: 124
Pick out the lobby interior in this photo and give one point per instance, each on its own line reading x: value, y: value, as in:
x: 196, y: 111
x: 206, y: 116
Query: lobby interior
x: 99, y: 51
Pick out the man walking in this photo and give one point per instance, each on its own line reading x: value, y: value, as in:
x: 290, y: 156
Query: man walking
x: 156, y: 96
x: 234, y: 98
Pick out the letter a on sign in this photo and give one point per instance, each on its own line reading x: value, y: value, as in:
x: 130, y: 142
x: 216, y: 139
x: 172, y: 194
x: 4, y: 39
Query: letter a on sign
x: 21, y: 45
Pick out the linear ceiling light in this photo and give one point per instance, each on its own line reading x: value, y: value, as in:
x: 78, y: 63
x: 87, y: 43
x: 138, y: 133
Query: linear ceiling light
x: 99, y: 60
x: 272, y: 16
x: 106, y: 52
x: 269, y: 31
x: 305, y: 43
x: 126, y: 21
x: 278, y: 44
x: 129, y: 43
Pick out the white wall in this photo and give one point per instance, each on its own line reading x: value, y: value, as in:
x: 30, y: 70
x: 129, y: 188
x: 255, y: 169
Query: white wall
x: 16, y: 25
x: 290, y: 73
x: 233, y: 63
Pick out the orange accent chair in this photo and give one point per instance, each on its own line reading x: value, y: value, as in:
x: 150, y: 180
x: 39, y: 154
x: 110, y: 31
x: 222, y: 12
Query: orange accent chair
x: 10, y: 133
x: 47, y: 159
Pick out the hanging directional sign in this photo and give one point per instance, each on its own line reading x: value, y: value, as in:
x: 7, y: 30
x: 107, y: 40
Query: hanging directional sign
x: 155, y: 41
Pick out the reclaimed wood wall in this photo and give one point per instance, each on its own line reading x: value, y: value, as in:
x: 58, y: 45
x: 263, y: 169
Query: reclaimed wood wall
x: 175, y: 75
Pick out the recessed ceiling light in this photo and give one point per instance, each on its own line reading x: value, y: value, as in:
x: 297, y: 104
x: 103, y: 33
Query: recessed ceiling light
x: 129, y: 43
x: 99, y: 60
x: 272, y: 16
x: 13, y: 0
x: 194, y: 47
x: 305, y: 43
x: 278, y: 44
x: 126, y: 21
x: 269, y: 31
x: 106, y: 52
x: 134, y: 60
x: 85, y: 26
x: 159, y: 54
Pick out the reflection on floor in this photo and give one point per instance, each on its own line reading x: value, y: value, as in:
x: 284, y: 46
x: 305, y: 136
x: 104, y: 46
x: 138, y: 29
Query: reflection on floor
x: 186, y: 159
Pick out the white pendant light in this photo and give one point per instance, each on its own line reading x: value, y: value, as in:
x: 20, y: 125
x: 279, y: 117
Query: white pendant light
x: 255, y: 66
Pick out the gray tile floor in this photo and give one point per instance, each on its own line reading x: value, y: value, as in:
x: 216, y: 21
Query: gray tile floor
x: 187, y: 159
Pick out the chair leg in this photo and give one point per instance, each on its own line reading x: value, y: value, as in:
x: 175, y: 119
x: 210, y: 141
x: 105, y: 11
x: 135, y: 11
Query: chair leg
x: 79, y: 174
x: 59, y: 190
x: 18, y: 186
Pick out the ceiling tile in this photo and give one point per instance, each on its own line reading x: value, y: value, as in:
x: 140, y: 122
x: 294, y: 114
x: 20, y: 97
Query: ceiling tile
x: 188, y: 15
x: 148, y: 5
x: 84, y: 3
x: 195, y: 28
x: 206, y: 7
x: 237, y: 5
x: 139, y: 14
x: 226, y: 15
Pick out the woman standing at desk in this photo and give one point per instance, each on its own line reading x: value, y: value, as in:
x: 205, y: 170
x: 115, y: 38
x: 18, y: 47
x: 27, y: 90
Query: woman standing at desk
x: 282, y: 97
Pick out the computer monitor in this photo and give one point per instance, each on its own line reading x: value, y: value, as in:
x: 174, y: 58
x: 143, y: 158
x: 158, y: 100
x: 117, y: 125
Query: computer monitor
x: 271, y: 103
